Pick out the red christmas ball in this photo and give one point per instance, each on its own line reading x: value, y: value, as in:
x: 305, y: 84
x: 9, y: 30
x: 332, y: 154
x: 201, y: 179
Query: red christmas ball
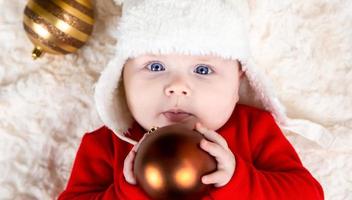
x: 169, y: 164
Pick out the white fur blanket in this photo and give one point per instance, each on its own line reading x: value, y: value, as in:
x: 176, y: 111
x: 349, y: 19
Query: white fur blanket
x: 47, y: 105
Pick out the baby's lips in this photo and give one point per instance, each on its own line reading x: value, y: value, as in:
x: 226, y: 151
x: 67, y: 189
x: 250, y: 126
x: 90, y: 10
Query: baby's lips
x: 176, y: 117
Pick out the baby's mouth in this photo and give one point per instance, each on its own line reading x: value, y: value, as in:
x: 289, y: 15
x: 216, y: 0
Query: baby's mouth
x: 176, y: 116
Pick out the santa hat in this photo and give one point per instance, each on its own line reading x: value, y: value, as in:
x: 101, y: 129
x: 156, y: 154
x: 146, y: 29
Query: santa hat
x: 190, y: 27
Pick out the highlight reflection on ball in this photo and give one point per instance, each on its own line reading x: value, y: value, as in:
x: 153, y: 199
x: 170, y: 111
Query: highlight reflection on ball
x: 169, y: 164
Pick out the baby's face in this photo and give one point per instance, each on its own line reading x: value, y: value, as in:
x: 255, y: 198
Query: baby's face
x: 168, y: 89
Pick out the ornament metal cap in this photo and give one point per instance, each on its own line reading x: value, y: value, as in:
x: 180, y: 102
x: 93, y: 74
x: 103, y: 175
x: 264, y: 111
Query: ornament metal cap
x: 37, y: 52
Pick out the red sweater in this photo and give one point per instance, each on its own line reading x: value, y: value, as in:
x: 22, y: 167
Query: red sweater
x: 267, y: 166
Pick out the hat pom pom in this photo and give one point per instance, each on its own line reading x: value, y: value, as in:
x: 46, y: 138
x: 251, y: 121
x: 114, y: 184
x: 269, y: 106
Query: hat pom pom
x: 119, y: 2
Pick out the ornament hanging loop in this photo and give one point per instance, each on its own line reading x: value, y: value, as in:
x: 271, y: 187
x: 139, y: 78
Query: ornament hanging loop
x: 154, y: 128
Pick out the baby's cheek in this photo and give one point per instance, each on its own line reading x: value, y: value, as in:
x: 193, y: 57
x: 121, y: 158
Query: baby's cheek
x: 216, y: 117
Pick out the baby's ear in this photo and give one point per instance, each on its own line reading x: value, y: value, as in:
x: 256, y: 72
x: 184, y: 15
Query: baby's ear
x: 240, y: 70
x: 119, y: 2
x: 242, y: 74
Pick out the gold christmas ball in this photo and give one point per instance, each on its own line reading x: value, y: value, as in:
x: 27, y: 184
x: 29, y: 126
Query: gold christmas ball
x: 169, y: 164
x: 58, y: 26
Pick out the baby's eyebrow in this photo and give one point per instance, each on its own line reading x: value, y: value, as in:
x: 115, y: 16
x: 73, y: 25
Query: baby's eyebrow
x: 147, y: 58
x: 203, y: 59
x: 144, y: 58
x: 150, y: 56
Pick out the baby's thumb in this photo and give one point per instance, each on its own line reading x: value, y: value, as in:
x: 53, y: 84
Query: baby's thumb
x: 128, y: 168
x: 135, y: 147
x: 128, y: 163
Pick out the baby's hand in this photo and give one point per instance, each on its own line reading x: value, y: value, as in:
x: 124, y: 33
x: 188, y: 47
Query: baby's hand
x: 225, y: 159
x: 128, y: 163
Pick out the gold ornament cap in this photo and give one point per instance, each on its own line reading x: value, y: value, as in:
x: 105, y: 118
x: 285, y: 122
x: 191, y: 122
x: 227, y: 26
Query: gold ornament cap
x: 37, y: 52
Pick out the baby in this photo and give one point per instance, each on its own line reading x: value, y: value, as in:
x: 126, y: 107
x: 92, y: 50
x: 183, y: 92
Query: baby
x: 184, y: 62
x: 184, y: 89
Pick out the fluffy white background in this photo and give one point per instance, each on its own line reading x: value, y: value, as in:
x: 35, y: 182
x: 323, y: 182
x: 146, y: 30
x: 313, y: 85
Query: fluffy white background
x: 47, y: 105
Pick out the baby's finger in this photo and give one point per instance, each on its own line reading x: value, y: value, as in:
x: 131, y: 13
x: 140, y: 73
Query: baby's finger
x: 135, y: 147
x: 218, y: 178
x: 211, y: 135
x: 213, y: 149
x: 127, y: 168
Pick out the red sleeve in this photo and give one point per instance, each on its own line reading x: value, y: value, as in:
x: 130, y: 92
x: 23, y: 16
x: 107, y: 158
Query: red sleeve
x: 93, y: 175
x: 275, y: 170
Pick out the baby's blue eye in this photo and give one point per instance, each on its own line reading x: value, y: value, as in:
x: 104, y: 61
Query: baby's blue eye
x: 155, y: 66
x: 203, y: 69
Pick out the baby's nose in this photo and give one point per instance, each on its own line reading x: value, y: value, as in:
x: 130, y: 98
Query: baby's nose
x: 177, y: 89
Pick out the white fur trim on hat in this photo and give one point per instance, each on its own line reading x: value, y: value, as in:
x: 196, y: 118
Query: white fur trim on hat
x: 110, y: 99
x: 197, y: 27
